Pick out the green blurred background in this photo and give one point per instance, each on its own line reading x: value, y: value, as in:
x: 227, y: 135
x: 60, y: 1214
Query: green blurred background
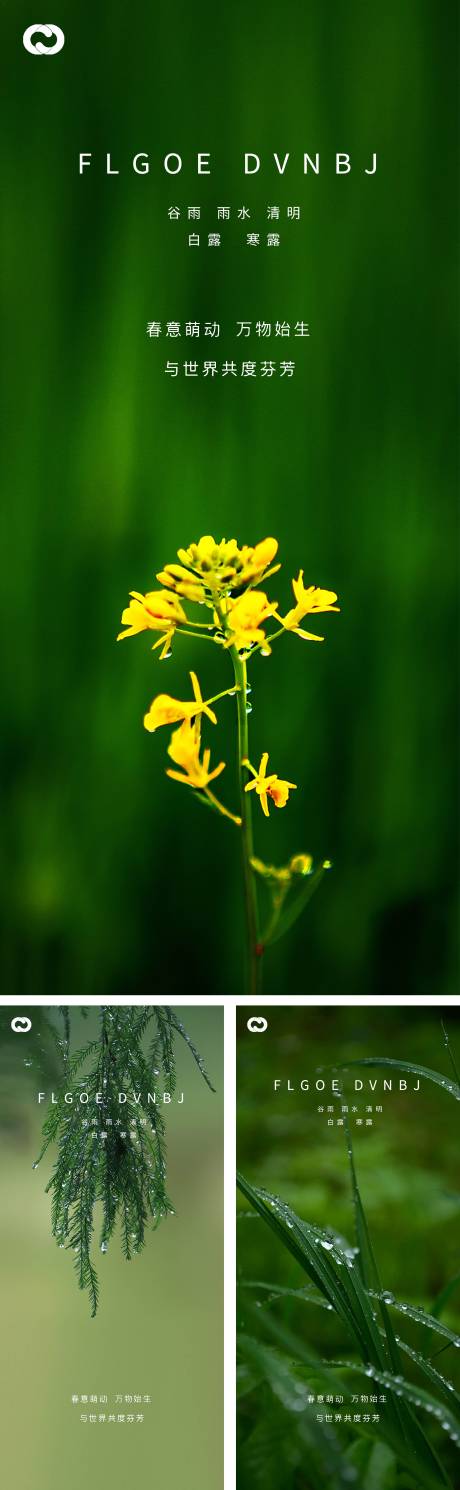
x: 159, y: 1328
x: 109, y: 467
x: 407, y: 1169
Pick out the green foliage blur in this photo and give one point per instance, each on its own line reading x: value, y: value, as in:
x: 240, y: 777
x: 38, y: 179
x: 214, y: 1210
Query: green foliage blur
x: 113, y: 880
x: 159, y: 1329
x: 407, y: 1170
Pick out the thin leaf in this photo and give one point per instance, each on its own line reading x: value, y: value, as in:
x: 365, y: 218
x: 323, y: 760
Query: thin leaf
x: 444, y: 1296
x: 385, y: 1061
x: 412, y: 1311
x: 306, y: 1295
x: 437, y: 1380
x: 450, y: 1052
x: 410, y: 1393
x: 297, y: 904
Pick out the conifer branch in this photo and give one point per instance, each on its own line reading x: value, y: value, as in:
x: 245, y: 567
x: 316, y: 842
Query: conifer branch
x: 103, y: 1157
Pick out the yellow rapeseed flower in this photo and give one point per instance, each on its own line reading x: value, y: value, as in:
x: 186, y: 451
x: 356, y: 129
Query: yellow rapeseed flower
x: 167, y: 710
x: 156, y: 611
x: 246, y: 616
x: 257, y: 563
x: 268, y: 786
x: 184, y: 749
x: 301, y: 864
x: 308, y: 602
x: 210, y: 570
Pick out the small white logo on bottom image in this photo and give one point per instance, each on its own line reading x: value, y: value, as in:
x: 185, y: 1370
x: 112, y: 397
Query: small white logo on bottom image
x: 256, y: 1025
x: 36, y: 47
x: 21, y: 1024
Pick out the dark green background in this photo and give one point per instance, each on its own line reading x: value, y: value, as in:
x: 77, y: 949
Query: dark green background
x: 113, y: 880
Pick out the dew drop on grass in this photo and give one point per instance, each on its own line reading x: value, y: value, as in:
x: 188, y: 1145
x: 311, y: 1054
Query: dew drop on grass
x: 388, y: 1298
x: 328, y: 1246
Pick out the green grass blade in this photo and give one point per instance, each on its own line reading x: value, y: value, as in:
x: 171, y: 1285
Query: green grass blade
x: 322, y: 1373
x: 371, y: 1280
x: 452, y: 1087
x: 414, y: 1394
x: 444, y: 1296
x: 322, y: 1258
x: 368, y: 1264
x: 291, y: 1391
x: 375, y: 1463
x: 450, y: 1051
x: 444, y: 1387
x: 275, y: 1291
x: 412, y: 1311
x: 337, y: 1277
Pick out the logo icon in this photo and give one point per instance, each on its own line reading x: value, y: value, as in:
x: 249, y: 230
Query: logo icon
x: 21, y: 1024
x: 36, y: 47
x: 257, y: 1026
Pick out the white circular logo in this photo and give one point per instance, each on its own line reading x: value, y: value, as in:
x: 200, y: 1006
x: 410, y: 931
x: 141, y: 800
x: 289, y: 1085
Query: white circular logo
x: 21, y: 1025
x: 36, y: 47
x: 257, y: 1026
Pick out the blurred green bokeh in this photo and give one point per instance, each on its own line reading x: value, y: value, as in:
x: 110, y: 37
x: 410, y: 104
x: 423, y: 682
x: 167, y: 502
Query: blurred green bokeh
x: 159, y: 1329
x: 109, y: 467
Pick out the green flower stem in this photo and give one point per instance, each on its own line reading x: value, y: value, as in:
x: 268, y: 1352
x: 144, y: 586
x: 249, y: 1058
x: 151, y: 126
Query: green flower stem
x: 219, y: 806
x: 278, y: 903
x: 250, y: 891
x: 226, y: 693
x: 260, y: 645
x: 200, y: 635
